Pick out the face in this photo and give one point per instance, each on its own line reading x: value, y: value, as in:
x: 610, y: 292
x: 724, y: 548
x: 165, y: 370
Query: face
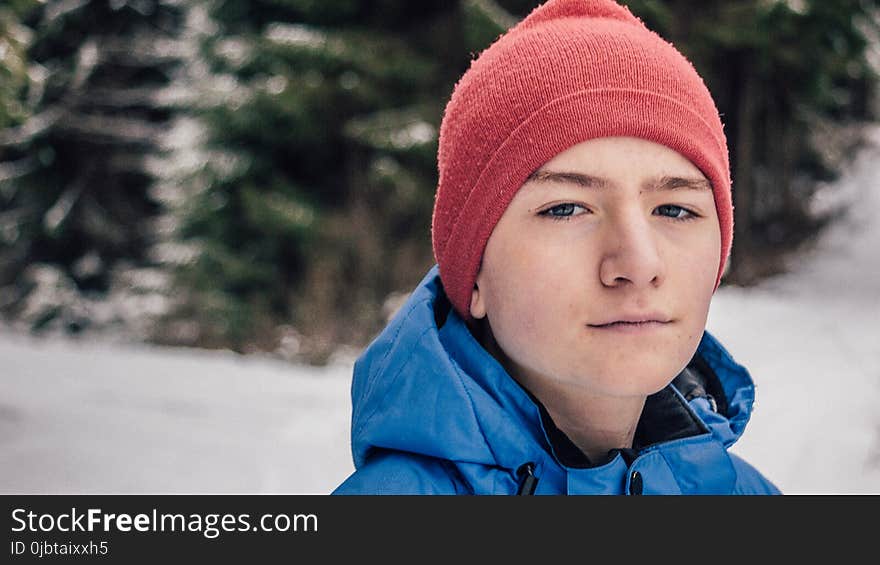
x: 600, y: 272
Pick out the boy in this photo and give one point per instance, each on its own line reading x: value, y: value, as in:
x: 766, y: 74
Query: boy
x: 581, y: 225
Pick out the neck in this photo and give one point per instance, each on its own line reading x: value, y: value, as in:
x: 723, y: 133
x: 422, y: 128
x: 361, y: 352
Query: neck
x: 595, y: 423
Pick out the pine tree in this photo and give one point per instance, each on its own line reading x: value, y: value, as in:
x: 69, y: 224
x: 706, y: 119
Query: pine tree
x: 314, y: 200
x: 77, y: 211
x: 14, y: 110
x: 14, y: 39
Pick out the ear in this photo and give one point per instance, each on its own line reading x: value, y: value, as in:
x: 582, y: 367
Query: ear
x: 478, y: 303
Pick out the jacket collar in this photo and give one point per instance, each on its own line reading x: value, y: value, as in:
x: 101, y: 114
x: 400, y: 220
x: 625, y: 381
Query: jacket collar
x: 425, y: 385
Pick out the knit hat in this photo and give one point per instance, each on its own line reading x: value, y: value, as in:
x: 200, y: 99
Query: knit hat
x: 571, y: 71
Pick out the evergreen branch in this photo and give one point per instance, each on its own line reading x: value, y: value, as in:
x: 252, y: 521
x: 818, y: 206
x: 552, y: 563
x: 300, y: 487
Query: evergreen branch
x: 15, y: 169
x: 111, y: 128
x: 492, y: 11
x: 32, y: 128
x: 143, y: 51
x: 149, y: 97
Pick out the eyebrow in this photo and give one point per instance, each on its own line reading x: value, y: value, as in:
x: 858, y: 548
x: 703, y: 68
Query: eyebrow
x: 661, y: 183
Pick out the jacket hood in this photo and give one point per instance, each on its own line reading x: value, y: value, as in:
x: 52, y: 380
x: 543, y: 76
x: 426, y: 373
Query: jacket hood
x: 425, y: 385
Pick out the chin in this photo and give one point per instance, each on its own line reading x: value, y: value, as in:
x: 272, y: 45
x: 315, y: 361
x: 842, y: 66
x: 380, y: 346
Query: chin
x: 634, y: 379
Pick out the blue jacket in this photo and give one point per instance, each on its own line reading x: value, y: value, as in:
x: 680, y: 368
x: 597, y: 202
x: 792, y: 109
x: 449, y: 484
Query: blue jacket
x: 434, y: 413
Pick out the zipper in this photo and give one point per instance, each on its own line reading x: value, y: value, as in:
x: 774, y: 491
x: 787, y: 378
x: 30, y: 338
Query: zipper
x: 528, y: 482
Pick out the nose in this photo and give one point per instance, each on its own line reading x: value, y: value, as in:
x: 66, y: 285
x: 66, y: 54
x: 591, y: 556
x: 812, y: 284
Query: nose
x: 631, y: 255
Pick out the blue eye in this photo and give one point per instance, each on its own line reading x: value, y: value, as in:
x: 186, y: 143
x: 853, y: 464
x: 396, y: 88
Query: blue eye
x: 676, y: 213
x: 563, y: 211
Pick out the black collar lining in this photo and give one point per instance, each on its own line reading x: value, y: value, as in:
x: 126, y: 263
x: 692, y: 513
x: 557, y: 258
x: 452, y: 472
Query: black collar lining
x: 665, y: 417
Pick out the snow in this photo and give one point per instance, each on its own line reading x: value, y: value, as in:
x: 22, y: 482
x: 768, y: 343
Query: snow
x: 87, y: 417
x: 811, y: 342
x: 100, y: 418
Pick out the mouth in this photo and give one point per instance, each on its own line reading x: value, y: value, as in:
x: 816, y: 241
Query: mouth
x: 632, y: 327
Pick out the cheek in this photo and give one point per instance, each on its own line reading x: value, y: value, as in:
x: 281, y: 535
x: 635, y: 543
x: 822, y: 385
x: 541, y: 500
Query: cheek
x: 710, y: 263
x: 525, y: 294
x: 696, y: 257
x: 516, y: 303
x: 696, y: 281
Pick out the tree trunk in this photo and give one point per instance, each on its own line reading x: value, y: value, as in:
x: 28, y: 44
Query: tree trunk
x: 743, y: 177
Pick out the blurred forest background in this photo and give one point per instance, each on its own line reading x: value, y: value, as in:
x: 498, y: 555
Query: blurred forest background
x: 258, y: 175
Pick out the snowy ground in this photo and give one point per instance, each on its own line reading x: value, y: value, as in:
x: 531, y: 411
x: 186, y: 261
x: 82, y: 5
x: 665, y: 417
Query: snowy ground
x: 811, y: 340
x: 89, y: 417
x: 85, y: 418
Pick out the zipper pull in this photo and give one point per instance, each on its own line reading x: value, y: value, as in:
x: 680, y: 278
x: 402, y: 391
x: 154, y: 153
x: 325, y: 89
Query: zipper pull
x: 528, y: 482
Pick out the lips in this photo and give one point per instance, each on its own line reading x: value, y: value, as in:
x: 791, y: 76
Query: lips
x: 631, y: 328
x: 644, y: 318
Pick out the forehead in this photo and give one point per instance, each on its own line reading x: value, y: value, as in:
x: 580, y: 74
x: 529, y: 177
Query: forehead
x: 613, y: 162
x: 625, y: 147
x: 653, y: 183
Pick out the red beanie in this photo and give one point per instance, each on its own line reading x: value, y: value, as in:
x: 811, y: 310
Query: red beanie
x: 571, y: 71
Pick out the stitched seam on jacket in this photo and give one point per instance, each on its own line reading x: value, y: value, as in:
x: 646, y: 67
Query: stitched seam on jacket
x: 456, y: 478
x: 390, y: 384
x: 371, y: 383
x: 737, y: 377
x: 671, y: 470
x: 727, y: 363
x: 391, y: 481
x: 473, y: 408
